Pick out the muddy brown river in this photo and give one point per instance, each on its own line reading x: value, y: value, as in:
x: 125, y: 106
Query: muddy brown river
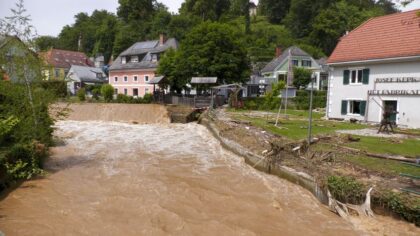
x: 111, y: 178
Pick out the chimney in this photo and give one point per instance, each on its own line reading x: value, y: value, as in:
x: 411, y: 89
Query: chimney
x: 278, y: 51
x: 162, y: 39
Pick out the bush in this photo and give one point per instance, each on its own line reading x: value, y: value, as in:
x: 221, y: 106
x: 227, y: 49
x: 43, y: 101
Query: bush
x: 95, y: 93
x: 81, y: 94
x: 24, y: 161
x: 107, y: 92
x: 58, y: 87
x: 148, y: 98
x: 121, y: 98
x: 346, y: 189
x: 302, y: 99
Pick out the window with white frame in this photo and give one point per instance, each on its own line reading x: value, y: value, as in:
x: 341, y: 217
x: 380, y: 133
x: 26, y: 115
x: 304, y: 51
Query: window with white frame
x: 125, y: 91
x: 154, y: 57
x: 116, y: 91
x: 136, y: 78
x: 134, y: 59
x: 295, y: 62
x: 146, y: 90
x: 125, y: 78
x: 356, y: 76
x: 115, y: 79
x: 306, y: 63
x: 146, y: 78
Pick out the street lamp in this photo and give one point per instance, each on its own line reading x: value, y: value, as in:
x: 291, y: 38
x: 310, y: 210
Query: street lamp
x: 313, y: 79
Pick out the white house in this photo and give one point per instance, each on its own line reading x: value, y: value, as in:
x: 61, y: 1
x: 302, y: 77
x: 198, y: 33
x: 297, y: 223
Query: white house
x: 376, y: 67
x: 278, y: 68
x: 80, y: 76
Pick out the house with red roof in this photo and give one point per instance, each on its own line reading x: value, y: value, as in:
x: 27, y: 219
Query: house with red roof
x: 60, y: 61
x: 376, y: 69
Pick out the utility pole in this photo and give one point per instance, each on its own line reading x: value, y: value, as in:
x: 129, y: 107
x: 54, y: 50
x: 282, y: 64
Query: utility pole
x: 313, y: 78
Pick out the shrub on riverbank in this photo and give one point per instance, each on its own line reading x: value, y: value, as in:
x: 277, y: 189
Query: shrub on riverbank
x: 349, y: 190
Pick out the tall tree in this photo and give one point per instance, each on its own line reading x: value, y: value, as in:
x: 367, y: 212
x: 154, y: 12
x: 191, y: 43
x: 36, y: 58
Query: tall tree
x: 275, y: 10
x: 43, y: 43
x: 136, y: 10
x: 210, y: 49
x: 205, y: 9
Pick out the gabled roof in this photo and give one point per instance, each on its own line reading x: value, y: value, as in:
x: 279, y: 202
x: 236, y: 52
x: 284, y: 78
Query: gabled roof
x: 65, y: 59
x: 295, y: 51
x: 87, y: 74
x: 144, y: 50
x: 391, y: 36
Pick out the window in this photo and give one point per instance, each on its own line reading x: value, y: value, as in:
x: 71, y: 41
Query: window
x: 135, y: 78
x: 66, y: 71
x: 134, y: 59
x: 146, y: 90
x: 115, y: 79
x: 307, y: 63
x: 295, y: 62
x: 154, y: 57
x: 262, y: 81
x: 356, y: 76
x: 354, y: 107
x: 57, y: 72
x: 115, y: 91
x: 99, y: 75
x: 146, y: 78
x: 125, y: 79
x: 125, y: 91
x: 123, y: 60
x: 135, y: 92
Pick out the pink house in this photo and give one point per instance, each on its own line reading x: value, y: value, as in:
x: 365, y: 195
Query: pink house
x: 130, y: 73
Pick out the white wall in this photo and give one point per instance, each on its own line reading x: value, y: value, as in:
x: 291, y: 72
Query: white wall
x: 408, y: 106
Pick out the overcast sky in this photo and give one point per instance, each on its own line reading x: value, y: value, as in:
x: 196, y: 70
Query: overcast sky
x: 49, y: 16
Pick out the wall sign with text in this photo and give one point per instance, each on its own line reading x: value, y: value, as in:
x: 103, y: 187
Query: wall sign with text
x: 398, y: 80
x: 395, y: 92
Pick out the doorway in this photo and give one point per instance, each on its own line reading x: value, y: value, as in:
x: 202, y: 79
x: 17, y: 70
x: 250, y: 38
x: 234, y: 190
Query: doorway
x: 392, y: 106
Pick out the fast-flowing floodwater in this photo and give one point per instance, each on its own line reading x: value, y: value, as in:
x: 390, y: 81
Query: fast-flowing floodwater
x: 121, y: 179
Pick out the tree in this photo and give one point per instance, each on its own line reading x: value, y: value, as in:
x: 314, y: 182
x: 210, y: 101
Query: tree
x: 333, y: 22
x: 43, y: 43
x: 210, y: 49
x: 205, y: 9
x: 275, y: 10
x: 136, y: 10
x: 301, y: 77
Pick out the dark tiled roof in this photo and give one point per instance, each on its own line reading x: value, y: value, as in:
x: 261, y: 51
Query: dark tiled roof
x: 65, y: 59
x: 144, y: 49
x: 295, y: 51
x: 391, y: 36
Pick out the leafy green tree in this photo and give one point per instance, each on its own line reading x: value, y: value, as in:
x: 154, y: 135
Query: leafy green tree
x: 180, y: 25
x: 43, y: 43
x: 81, y: 94
x: 275, y: 10
x: 332, y: 23
x: 205, y: 9
x: 301, y: 77
x: 136, y: 10
x: 210, y: 49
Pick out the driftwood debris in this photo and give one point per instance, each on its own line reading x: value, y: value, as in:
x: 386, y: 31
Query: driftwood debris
x: 381, y: 156
x: 342, y: 209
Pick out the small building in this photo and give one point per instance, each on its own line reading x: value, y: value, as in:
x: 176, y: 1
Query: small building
x: 58, y: 62
x: 13, y: 55
x: 80, y: 76
x: 376, y: 68
x: 277, y: 70
x: 132, y: 70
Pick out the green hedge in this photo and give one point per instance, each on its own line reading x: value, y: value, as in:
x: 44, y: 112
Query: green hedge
x: 121, y: 98
x: 59, y: 87
x: 302, y: 99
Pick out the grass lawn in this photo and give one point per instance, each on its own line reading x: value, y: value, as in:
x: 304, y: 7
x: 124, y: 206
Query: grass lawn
x: 298, y: 128
x: 406, y: 147
x: 380, y: 165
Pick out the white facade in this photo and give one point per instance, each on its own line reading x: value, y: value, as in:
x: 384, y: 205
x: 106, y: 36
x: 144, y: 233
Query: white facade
x: 388, y: 83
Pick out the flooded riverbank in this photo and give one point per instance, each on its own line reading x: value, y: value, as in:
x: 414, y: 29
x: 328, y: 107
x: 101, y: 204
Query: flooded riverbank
x: 121, y: 179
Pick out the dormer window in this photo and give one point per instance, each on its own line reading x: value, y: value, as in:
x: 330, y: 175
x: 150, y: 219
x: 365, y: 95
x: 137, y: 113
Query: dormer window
x: 123, y: 60
x: 295, y: 62
x: 154, y: 57
x: 134, y: 59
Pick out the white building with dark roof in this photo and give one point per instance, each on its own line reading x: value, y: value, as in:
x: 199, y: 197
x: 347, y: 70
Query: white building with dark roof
x: 80, y: 76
